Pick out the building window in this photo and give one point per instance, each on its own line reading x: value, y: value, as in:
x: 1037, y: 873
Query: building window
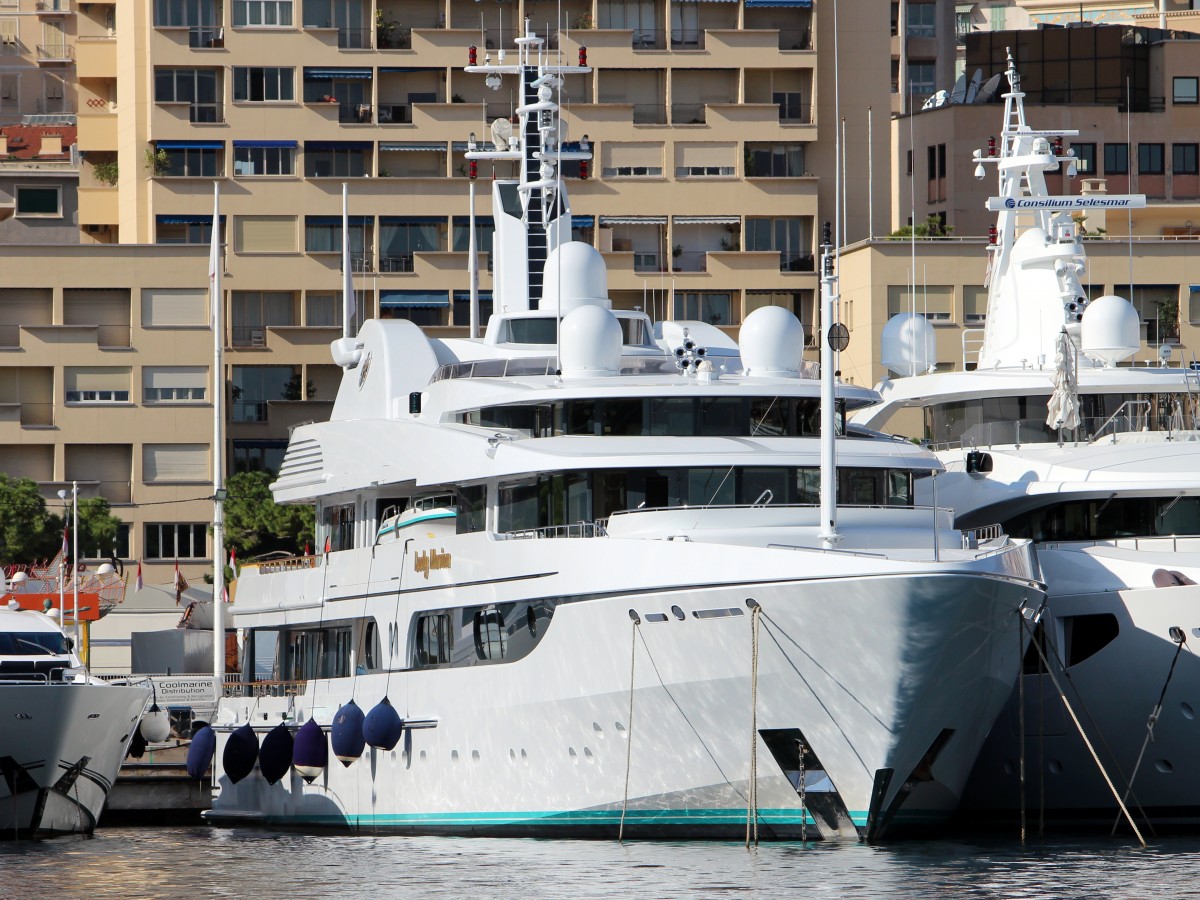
x: 264, y: 234
x: 258, y: 84
x: 87, y: 384
x: 775, y: 160
x: 1184, y: 89
x: 713, y: 307
x: 323, y: 310
x: 10, y: 44
x: 39, y: 202
x: 922, y: 78
x: 1150, y: 159
x: 174, y: 384
x: 253, y: 312
x: 262, y: 161
x: 192, y: 162
x: 196, y: 87
x: 399, y: 239
x: 789, y: 236
x: 922, y: 20
x: 256, y: 386
x: 934, y: 302
x: 323, y: 234
x: 1116, y: 159
x: 266, y: 13
x: 183, y: 230
x: 184, y: 13
x: 1183, y: 159
x: 258, y: 456
x: 348, y: 160
x: 1085, y: 154
x: 174, y: 307
x: 170, y: 540
x: 175, y: 463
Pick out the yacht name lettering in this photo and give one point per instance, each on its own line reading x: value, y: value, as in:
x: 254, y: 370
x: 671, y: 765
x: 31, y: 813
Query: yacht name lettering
x: 426, y: 560
x: 1122, y: 201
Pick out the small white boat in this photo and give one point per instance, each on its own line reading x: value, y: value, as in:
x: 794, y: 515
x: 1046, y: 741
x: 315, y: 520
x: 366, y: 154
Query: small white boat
x: 64, y: 733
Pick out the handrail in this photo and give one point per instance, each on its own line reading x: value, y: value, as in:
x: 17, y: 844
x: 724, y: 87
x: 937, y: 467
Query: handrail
x: 1121, y: 409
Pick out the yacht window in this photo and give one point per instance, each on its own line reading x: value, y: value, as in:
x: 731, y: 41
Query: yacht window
x: 768, y: 417
x: 533, y: 331
x: 489, y: 634
x: 371, y: 650
x: 32, y: 643
x: 433, y: 640
x: 338, y: 522
x: 670, y: 416
x: 472, y: 509
x: 722, y: 417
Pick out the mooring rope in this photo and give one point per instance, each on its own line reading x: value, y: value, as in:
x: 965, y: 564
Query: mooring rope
x: 1092, y: 750
x: 752, y: 788
x: 1180, y: 639
x: 637, y: 620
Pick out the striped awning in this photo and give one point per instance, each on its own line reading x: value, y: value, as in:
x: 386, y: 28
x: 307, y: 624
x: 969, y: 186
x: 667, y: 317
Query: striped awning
x: 413, y: 299
x: 465, y: 296
x: 707, y: 220
x: 388, y: 148
x: 337, y: 145
x: 290, y: 144
x: 632, y: 220
x: 335, y: 74
x: 412, y: 220
x: 790, y: 4
x: 583, y: 221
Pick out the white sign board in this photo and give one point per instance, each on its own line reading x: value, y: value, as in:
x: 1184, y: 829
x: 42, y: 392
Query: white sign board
x: 1066, y: 204
x: 186, y: 690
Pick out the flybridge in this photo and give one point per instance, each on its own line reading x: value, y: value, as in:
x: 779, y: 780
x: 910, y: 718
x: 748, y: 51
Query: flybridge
x: 1107, y: 201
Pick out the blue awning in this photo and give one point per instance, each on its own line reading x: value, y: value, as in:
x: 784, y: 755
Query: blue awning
x: 465, y: 296
x: 790, y: 4
x: 337, y: 145
x: 355, y: 221
x: 583, y: 221
x: 264, y: 144
x: 479, y: 220
x: 186, y: 220
x: 190, y: 145
x: 412, y: 299
x: 412, y: 220
x: 383, y: 69
x: 389, y: 148
x: 332, y: 74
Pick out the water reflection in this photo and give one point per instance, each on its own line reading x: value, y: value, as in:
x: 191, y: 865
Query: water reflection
x: 203, y: 862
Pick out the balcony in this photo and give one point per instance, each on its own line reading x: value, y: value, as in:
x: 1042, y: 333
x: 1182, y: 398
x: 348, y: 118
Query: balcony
x: 55, y: 54
x: 50, y: 8
x: 206, y: 37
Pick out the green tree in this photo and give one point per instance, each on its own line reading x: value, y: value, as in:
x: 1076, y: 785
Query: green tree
x: 256, y: 524
x: 97, y: 528
x: 931, y: 227
x: 27, y: 531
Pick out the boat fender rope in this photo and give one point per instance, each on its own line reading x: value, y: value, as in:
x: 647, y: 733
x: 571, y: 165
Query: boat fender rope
x: 637, y: 620
x: 752, y: 787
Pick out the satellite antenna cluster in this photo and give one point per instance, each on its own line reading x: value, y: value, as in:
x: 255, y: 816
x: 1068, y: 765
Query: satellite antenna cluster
x: 974, y: 91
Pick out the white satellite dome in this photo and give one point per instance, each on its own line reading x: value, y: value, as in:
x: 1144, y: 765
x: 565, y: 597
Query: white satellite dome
x: 909, y: 344
x: 772, y: 343
x: 575, y: 275
x: 590, y: 343
x: 1111, y: 330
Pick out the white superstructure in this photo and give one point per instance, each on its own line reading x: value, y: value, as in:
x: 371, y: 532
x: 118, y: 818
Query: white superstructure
x: 64, y: 733
x: 590, y: 573
x: 1099, y: 464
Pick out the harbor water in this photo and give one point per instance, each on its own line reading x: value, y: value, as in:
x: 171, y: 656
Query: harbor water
x: 200, y: 862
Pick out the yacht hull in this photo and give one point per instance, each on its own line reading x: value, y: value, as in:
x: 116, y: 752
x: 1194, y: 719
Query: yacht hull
x: 891, y: 680
x: 1120, y: 660
x: 60, y: 750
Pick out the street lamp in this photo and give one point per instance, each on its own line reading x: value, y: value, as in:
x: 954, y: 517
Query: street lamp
x: 62, y: 495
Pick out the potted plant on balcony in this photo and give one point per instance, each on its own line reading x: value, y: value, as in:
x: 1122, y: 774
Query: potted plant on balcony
x: 157, y: 162
x: 106, y: 172
x: 386, y: 30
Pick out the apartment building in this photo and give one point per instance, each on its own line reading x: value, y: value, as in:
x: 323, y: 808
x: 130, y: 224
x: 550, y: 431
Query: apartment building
x: 713, y: 124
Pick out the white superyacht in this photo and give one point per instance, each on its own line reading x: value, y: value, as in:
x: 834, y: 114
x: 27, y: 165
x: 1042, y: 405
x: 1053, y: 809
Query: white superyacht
x: 64, y: 732
x: 1097, y: 463
x: 582, y: 582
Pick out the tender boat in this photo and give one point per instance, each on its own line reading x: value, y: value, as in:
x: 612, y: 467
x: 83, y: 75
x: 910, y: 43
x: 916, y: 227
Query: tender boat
x: 584, y: 578
x: 65, y: 733
x: 1095, y: 462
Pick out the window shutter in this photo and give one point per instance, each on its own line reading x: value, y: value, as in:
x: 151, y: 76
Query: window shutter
x: 175, y: 462
x: 264, y: 234
x: 174, y: 306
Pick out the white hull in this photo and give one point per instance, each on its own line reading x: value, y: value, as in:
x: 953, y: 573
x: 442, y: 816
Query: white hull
x: 1113, y: 691
x: 871, y: 669
x: 60, y: 749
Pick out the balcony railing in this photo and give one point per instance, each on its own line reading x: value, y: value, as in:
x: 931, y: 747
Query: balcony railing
x: 248, y: 335
x: 354, y: 38
x: 649, y: 114
x: 796, y: 262
x: 687, y: 114
x: 795, y: 39
x: 211, y: 113
x: 55, y: 52
x: 403, y: 263
x: 360, y: 263
x: 10, y: 336
x: 247, y: 411
x: 690, y: 261
x: 113, y: 335
x: 206, y: 36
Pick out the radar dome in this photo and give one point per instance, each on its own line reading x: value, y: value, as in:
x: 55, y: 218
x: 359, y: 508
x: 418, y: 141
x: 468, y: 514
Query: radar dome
x: 1111, y: 330
x: 772, y: 343
x: 574, y: 276
x: 590, y: 343
x: 909, y: 345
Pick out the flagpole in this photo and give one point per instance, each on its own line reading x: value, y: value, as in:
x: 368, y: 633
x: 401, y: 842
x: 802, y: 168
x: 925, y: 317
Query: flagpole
x: 75, y: 567
x: 215, y: 266
x: 347, y: 271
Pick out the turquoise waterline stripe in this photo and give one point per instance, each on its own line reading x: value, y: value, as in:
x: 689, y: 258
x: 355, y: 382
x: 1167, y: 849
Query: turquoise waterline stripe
x: 657, y: 817
x: 430, y: 517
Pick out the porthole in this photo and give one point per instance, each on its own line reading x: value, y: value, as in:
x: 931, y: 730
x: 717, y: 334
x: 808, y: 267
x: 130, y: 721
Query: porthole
x: 1188, y: 712
x: 1164, y: 766
x: 599, y: 731
x: 677, y: 613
